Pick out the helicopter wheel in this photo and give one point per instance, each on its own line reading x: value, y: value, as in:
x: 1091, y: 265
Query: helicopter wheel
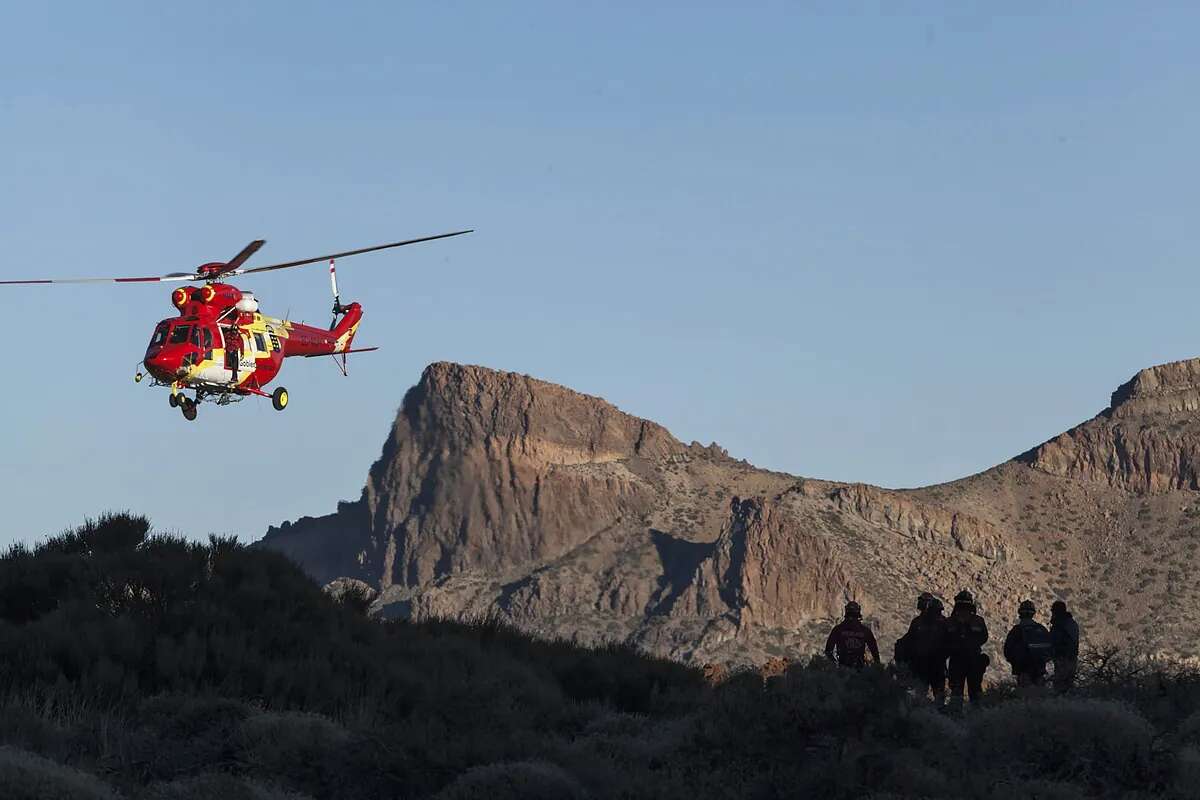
x: 188, y: 408
x: 279, y: 398
x: 173, y: 399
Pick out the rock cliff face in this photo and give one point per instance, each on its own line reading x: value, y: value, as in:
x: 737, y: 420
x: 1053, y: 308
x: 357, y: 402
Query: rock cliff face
x: 766, y: 569
x: 500, y: 495
x: 484, y: 470
x: 1147, y: 440
x: 910, y: 517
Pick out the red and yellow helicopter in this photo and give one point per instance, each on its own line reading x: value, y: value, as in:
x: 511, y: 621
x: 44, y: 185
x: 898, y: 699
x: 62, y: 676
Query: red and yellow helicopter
x: 221, y: 347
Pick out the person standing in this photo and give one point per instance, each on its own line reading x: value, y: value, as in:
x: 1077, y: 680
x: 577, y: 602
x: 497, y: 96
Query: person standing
x: 901, y: 655
x: 1064, y: 640
x: 1028, y: 647
x: 925, y: 648
x: 850, y: 640
x: 966, y: 633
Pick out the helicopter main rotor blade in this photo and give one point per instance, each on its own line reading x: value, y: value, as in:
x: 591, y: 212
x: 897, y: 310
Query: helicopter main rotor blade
x: 233, y: 267
x: 176, y: 276
x: 241, y: 257
x: 302, y: 262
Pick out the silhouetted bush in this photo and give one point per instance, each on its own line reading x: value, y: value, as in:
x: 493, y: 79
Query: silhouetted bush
x: 25, y: 776
x: 523, y: 780
x: 1075, y: 736
x: 219, y: 786
x: 146, y: 666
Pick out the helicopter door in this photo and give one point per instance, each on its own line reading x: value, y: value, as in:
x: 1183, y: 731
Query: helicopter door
x: 214, y: 370
x: 242, y: 360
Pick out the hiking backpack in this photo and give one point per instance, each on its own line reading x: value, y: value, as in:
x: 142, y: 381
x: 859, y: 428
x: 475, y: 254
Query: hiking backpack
x: 1038, y: 646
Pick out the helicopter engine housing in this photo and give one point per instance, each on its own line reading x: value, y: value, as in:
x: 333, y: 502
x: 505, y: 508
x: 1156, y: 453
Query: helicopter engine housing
x: 247, y: 304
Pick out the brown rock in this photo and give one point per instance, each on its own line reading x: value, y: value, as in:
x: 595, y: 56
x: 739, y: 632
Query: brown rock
x: 766, y: 570
x: 497, y: 495
x: 1147, y: 440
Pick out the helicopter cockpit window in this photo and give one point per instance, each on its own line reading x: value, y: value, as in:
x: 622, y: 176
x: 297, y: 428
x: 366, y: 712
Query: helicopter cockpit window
x: 160, y: 335
x: 208, y: 338
x: 196, y: 336
x: 179, y: 335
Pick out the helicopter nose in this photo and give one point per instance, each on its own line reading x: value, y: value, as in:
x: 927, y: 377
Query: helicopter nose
x: 160, y: 364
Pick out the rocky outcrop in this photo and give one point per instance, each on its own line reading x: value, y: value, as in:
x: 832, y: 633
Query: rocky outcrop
x: 766, y: 570
x: 485, y: 470
x: 911, y: 517
x: 1167, y: 388
x: 344, y: 588
x: 500, y: 496
x: 1147, y: 440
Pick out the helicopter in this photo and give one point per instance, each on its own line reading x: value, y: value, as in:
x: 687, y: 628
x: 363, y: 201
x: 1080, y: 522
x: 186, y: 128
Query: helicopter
x: 221, y: 347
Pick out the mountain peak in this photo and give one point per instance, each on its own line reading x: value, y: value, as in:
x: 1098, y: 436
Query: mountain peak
x: 1146, y: 441
x: 497, y: 494
x: 460, y: 402
x: 1166, y: 387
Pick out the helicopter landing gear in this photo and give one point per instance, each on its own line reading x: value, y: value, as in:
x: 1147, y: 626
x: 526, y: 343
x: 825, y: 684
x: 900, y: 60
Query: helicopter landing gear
x: 173, y: 400
x: 188, y: 407
x: 279, y: 398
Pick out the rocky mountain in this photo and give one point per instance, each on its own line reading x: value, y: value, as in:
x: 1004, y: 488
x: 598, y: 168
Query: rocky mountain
x: 498, y: 494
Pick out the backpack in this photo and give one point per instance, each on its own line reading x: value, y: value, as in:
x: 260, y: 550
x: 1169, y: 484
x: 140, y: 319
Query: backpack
x: 927, y: 637
x: 1039, y: 648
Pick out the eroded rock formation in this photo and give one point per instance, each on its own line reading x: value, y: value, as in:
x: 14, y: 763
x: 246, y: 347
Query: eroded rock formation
x: 766, y: 569
x: 1147, y: 440
x: 500, y: 495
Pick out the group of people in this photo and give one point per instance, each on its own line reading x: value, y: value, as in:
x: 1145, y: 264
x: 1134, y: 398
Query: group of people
x: 939, y: 647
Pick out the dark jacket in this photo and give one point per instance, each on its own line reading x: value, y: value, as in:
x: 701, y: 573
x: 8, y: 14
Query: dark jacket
x: 926, y: 637
x: 1064, y: 633
x: 1016, y: 651
x: 966, y: 632
x: 850, y: 640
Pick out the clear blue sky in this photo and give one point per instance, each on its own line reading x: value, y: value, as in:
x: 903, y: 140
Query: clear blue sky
x: 895, y: 243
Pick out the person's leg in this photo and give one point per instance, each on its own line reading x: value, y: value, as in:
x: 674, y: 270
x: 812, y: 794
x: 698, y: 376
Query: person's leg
x: 919, y: 681
x: 937, y: 683
x: 958, y: 676
x: 975, y: 678
x: 1064, y: 674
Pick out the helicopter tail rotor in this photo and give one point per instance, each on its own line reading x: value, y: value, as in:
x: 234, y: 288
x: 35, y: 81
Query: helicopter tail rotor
x: 337, y: 299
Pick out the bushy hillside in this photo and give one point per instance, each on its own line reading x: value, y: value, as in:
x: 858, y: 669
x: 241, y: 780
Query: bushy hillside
x: 143, y: 666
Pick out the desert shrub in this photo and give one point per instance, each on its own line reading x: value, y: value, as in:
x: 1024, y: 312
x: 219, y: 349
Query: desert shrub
x: 307, y: 748
x: 1189, y: 729
x: 26, y: 776
x: 1185, y: 773
x: 1073, y: 737
x: 1039, y: 789
x: 110, y: 533
x: 179, y: 669
x: 41, y: 727
x: 178, y: 734
x: 522, y: 780
x: 215, y: 785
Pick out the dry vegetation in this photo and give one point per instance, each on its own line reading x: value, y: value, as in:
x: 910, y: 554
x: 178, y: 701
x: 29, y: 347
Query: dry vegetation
x: 140, y: 666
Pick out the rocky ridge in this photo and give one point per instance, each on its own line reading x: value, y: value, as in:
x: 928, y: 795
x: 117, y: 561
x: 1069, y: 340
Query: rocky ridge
x: 498, y: 494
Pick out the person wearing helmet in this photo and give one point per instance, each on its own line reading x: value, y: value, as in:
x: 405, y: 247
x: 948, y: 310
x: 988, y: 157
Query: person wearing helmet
x: 966, y: 633
x: 903, y: 655
x: 925, y: 647
x: 850, y: 640
x: 1028, y: 647
x: 1064, y: 640
x: 923, y: 601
